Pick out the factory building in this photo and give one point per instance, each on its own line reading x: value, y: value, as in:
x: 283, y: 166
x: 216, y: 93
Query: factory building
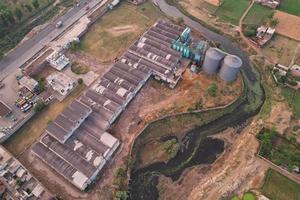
x: 76, y: 144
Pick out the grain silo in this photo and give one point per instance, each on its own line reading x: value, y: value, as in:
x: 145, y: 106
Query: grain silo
x: 212, y: 60
x: 230, y: 68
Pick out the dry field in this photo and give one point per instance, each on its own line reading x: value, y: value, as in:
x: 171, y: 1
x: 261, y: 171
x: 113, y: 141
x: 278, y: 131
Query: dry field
x: 289, y: 25
x: 213, y: 2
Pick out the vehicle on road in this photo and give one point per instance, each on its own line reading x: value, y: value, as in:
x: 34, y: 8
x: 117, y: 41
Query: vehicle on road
x: 59, y: 24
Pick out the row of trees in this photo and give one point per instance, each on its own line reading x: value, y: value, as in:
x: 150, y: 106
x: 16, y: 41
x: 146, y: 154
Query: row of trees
x: 9, y: 16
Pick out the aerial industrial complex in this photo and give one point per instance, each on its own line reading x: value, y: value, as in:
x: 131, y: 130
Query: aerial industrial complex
x: 76, y: 144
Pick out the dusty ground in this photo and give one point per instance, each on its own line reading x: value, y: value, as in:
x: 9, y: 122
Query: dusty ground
x: 289, y: 25
x: 213, y: 2
x: 280, y: 117
x: 119, y: 30
x: 235, y: 171
x: 191, y: 90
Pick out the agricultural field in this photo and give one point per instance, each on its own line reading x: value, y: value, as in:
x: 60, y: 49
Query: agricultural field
x: 293, y: 99
x: 116, y: 30
x: 281, y: 151
x: 290, y: 6
x: 258, y: 15
x: 35, y: 127
x: 289, y: 25
x: 280, y: 49
x: 246, y: 196
x: 232, y: 10
x: 279, y: 187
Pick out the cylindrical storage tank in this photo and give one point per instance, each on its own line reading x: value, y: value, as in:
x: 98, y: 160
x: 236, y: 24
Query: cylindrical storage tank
x: 212, y: 60
x: 230, y: 68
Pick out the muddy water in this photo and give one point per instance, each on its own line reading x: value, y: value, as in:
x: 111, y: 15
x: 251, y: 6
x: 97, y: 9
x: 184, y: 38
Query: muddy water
x: 143, y: 181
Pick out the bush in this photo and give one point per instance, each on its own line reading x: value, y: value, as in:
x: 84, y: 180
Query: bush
x: 171, y: 147
x: 39, y: 106
x: 122, y: 195
x: 212, y: 89
x: 249, y: 30
x: 80, y: 81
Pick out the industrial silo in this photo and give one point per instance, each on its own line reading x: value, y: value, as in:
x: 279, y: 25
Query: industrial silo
x: 212, y: 60
x: 230, y: 68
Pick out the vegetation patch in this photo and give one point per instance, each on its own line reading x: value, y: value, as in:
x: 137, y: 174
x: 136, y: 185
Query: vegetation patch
x: 117, y: 29
x: 279, y: 187
x: 79, y: 69
x: 249, y: 196
x: 171, y: 147
x: 290, y: 6
x: 293, y: 98
x: 279, y: 150
x: 232, y: 10
x: 258, y: 15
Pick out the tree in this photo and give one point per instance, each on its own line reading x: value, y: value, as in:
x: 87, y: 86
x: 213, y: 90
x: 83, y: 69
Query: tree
x: 122, y: 195
x: 39, y: 106
x: 1, y: 54
x: 212, y: 89
x: 35, y: 4
x: 249, y: 30
x: 18, y: 13
x: 80, y: 81
x: 28, y: 7
x: 274, y: 22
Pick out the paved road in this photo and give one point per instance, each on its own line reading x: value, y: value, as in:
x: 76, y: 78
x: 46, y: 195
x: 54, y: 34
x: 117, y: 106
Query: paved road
x: 21, y: 54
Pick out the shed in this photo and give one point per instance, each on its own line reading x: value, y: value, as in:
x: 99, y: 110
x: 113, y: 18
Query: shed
x: 4, y: 109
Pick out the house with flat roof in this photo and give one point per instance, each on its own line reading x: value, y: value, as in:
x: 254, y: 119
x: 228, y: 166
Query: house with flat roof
x: 61, y: 83
x: 58, y: 60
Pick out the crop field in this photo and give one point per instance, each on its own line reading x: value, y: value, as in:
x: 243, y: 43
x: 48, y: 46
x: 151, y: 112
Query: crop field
x: 258, y: 14
x: 116, y: 30
x: 232, y: 10
x: 293, y: 98
x: 281, y: 49
x: 290, y: 6
x: 289, y: 25
x: 279, y: 187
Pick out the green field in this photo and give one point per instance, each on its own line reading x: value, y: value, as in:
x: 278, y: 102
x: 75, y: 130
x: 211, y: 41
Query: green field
x: 279, y: 187
x: 290, y: 6
x: 117, y: 29
x: 293, y: 98
x: 258, y: 14
x: 232, y: 10
x: 246, y: 196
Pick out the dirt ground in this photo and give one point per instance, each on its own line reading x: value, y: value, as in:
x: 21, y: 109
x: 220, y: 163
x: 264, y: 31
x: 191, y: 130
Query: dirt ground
x: 235, y: 171
x: 280, y: 117
x: 119, y: 30
x: 289, y: 25
x: 192, y: 89
x: 213, y: 2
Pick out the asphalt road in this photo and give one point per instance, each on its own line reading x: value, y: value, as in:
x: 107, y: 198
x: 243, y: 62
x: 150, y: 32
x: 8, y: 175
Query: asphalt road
x: 21, y: 54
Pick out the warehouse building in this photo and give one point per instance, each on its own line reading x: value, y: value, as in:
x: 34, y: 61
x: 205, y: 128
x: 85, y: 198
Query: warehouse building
x: 76, y: 144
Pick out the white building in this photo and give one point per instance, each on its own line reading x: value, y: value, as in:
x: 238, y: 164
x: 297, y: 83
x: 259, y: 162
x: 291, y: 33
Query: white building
x: 58, y: 60
x: 61, y: 83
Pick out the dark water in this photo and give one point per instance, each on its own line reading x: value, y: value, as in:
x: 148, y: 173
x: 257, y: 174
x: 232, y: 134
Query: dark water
x: 144, y: 181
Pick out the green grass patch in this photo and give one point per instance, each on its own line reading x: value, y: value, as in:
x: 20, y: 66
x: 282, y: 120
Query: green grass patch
x: 290, y: 6
x: 249, y: 196
x: 293, y: 99
x: 258, y: 14
x: 279, y: 187
x: 232, y: 10
x: 235, y: 198
x: 117, y: 29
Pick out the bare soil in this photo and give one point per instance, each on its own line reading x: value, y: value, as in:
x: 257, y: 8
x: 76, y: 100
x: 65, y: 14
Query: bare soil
x: 235, y: 171
x: 120, y: 30
x: 213, y: 2
x: 289, y: 25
